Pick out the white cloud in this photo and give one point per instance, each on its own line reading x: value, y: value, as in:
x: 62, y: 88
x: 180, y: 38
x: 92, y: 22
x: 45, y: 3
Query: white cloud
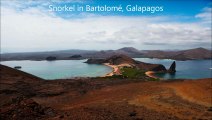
x: 205, y: 16
x: 36, y: 30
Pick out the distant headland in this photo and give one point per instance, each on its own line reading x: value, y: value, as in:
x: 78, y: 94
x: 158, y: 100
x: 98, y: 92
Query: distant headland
x: 190, y: 54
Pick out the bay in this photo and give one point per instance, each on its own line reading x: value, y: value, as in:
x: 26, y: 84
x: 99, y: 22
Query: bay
x: 190, y: 69
x: 60, y: 69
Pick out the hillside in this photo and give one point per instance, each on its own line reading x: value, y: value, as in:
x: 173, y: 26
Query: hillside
x: 123, y: 59
x: 102, y: 98
x: 191, y: 54
x: 197, y: 53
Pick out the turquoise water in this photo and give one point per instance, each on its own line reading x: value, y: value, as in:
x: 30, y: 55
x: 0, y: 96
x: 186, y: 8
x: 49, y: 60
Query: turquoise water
x: 60, y: 68
x: 190, y: 69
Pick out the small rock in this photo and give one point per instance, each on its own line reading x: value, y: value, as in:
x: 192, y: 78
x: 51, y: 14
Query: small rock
x: 209, y: 109
x: 133, y: 113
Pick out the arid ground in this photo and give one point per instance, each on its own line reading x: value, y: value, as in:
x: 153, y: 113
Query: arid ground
x: 26, y: 97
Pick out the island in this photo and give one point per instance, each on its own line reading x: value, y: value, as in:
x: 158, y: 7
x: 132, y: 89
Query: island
x: 124, y: 66
x: 182, y: 55
x: 51, y: 58
x: 24, y: 96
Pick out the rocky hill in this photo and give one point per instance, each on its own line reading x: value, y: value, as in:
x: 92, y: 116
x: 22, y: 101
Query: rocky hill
x: 26, y: 97
x: 123, y: 59
x: 191, y: 54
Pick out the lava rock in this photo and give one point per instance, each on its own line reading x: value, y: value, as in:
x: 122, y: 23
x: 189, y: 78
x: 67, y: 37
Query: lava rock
x: 95, y: 61
x: 75, y: 56
x: 51, y: 58
x: 172, y: 68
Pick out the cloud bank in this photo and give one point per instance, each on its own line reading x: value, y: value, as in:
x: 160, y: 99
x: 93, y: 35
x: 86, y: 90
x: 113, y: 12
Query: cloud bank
x: 36, y: 29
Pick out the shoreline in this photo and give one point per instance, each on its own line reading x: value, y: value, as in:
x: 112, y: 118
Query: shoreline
x: 151, y: 74
x: 97, y: 98
x: 116, y: 69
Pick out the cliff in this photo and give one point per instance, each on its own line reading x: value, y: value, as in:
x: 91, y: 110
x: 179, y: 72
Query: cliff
x: 172, y: 68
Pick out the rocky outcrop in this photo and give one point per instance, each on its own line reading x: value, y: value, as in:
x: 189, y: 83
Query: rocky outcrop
x: 22, y: 108
x: 51, y: 58
x: 75, y: 56
x: 172, y: 68
x: 151, y: 67
x: 95, y: 61
x: 158, y: 68
x: 120, y: 59
x: 17, y: 67
x: 123, y: 59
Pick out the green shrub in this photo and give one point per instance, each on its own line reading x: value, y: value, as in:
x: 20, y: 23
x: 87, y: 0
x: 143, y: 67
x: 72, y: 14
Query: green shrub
x: 153, y: 79
x: 128, y: 72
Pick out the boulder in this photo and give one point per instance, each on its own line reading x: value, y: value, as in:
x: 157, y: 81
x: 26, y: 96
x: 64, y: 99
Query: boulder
x: 17, y: 67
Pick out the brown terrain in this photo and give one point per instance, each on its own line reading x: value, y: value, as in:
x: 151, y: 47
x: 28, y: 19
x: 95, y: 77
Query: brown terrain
x: 123, y: 59
x: 26, y: 97
x: 190, y: 54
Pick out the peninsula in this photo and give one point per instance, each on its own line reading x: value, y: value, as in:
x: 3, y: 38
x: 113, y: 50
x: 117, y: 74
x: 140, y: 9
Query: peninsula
x: 24, y: 97
x: 122, y: 63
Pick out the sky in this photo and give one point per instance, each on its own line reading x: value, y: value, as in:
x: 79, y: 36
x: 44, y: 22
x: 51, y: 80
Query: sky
x: 29, y: 25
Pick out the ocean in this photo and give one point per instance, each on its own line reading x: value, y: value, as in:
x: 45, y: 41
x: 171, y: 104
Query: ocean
x: 190, y: 69
x: 62, y: 69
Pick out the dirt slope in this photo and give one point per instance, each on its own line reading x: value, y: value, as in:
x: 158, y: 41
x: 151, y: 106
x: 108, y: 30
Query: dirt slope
x: 102, y: 99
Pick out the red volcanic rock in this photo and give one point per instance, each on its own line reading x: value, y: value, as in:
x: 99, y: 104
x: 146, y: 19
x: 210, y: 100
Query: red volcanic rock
x: 22, y: 108
x: 120, y: 59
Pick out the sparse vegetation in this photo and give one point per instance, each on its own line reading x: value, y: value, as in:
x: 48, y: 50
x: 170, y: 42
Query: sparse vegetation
x: 128, y: 72
x: 132, y: 73
x: 153, y: 79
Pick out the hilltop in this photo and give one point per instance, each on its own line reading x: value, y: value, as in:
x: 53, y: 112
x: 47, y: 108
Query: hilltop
x: 127, y: 61
x: 190, y: 54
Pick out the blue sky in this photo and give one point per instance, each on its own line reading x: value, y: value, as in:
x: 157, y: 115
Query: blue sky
x: 172, y: 7
x: 28, y: 25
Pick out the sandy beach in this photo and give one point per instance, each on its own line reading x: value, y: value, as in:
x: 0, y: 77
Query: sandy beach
x: 116, y: 69
x: 151, y: 74
x: 24, y: 96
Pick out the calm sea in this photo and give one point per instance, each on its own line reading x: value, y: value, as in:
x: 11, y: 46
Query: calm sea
x: 191, y: 69
x: 60, y: 68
